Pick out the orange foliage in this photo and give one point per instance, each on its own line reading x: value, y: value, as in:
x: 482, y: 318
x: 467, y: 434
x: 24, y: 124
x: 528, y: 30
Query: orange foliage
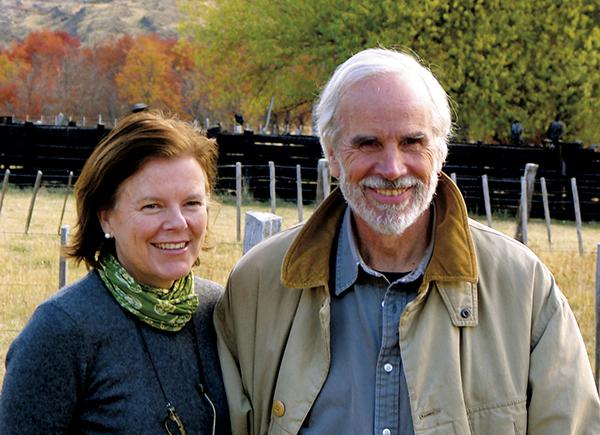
x: 50, y: 72
x: 149, y: 74
x: 40, y: 58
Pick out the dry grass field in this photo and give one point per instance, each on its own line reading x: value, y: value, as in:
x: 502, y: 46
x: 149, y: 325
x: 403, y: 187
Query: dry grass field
x: 29, y: 263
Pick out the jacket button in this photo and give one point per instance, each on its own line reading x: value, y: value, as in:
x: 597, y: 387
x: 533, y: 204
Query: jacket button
x: 278, y: 408
x: 465, y: 313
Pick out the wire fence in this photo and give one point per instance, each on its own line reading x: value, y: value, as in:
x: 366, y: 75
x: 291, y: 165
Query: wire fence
x: 31, y: 219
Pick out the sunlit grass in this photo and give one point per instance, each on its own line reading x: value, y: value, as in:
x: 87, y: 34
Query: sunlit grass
x: 29, y: 263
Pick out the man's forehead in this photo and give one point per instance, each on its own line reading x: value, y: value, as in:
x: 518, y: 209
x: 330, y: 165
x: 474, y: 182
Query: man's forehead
x: 381, y: 85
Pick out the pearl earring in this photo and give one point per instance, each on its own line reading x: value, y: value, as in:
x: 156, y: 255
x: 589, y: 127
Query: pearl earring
x: 107, y: 235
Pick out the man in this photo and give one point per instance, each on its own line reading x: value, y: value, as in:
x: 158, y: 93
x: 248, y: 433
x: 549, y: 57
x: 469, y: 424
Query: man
x: 389, y: 311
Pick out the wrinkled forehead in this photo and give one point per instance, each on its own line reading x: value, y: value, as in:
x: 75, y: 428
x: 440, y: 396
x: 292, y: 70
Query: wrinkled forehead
x: 381, y: 96
x: 401, y: 87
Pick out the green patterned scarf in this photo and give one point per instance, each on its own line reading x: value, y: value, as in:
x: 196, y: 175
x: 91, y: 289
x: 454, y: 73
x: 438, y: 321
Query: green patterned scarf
x: 165, y: 309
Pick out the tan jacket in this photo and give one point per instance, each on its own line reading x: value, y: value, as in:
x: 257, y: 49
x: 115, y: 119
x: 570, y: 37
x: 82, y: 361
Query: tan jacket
x: 489, y: 346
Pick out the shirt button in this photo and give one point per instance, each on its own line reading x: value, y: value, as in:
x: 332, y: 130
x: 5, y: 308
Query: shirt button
x: 388, y: 368
x: 383, y: 303
x: 386, y: 431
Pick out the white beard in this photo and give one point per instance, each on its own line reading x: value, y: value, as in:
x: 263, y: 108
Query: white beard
x: 391, y: 219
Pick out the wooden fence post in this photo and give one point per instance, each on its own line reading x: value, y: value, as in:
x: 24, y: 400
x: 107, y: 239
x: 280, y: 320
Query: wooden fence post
x: 597, y: 306
x: 259, y: 226
x: 36, y: 187
x: 4, y: 188
x: 326, y: 179
x: 299, y: 191
x: 546, y: 209
x: 238, y: 200
x: 272, y: 185
x: 62, y: 262
x: 486, y: 199
x: 529, y: 175
x: 67, y: 191
x: 323, y: 180
x: 523, y: 209
x: 577, y: 214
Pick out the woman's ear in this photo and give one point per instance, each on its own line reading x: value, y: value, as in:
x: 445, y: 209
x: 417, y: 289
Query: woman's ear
x: 104, y: 219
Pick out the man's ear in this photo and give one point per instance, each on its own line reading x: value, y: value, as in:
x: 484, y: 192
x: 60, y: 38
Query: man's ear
x: 334, y: 165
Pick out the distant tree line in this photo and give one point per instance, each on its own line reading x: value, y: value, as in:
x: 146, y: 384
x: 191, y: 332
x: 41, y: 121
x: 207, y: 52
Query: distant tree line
x: 50, y: 72
x: 499, y: 61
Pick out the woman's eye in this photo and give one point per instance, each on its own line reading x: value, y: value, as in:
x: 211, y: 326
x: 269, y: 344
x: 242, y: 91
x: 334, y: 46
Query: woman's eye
x: 195, y: 203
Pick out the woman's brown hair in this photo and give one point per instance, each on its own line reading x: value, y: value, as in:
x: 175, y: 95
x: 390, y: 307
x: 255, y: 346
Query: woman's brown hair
x: 136, y: 139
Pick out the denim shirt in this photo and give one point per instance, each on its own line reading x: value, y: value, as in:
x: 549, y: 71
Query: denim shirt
x: 365, y: 391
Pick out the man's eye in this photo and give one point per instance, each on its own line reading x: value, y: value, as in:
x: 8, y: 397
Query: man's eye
x: 151, y: 206
x: 412, y: 141
x: 368, y: 145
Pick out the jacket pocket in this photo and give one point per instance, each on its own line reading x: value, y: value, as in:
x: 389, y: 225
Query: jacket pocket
x: 442, y: 429
x: 500, y: 419
x: 276, y: 429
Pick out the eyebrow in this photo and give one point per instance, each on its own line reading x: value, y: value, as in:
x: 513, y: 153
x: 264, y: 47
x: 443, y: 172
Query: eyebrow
x: 195, y: 195
x: 361, y: 139
x: 415, y: 136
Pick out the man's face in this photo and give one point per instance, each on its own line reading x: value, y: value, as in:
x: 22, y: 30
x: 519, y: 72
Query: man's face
x: 384, y: 157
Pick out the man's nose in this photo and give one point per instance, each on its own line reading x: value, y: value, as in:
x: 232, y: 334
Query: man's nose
x: 392, y: 164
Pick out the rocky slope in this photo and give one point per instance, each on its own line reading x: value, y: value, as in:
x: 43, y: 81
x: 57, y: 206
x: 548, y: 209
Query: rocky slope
x: 92, y: 21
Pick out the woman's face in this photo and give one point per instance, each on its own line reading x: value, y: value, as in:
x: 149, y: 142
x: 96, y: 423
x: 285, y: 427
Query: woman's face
x: 159, y: 220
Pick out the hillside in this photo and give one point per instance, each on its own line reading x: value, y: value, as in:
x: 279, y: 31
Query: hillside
x: 91, y: 20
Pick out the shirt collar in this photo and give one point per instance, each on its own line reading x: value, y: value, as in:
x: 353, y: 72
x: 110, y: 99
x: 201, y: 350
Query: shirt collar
x: 348, y: 258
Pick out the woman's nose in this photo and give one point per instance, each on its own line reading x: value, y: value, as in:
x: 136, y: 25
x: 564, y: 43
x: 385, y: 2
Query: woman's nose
x: 175, y: 219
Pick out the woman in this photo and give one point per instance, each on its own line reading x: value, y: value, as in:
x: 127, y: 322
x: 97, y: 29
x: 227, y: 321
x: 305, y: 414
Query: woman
x: 130, y: 348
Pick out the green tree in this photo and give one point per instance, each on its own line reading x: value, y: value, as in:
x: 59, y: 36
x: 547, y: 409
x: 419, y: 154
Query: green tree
x: 497, y: 59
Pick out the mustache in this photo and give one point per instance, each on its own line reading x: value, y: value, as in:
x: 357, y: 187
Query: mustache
x: 378, y: 182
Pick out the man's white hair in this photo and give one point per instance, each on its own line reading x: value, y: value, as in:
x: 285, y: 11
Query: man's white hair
x: 377, y: 62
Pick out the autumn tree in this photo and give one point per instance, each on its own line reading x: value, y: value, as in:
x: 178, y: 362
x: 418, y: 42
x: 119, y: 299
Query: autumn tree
x: 149, y: 74
x: 8, y: 84
x: 40, y: 61
x: 195, y: 86
x: 102, y: 63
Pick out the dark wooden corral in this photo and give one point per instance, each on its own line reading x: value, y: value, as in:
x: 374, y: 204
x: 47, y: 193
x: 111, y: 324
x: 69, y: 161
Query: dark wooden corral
x: 26, y: 148
x: 504, y: 166
x: 254, y: 151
